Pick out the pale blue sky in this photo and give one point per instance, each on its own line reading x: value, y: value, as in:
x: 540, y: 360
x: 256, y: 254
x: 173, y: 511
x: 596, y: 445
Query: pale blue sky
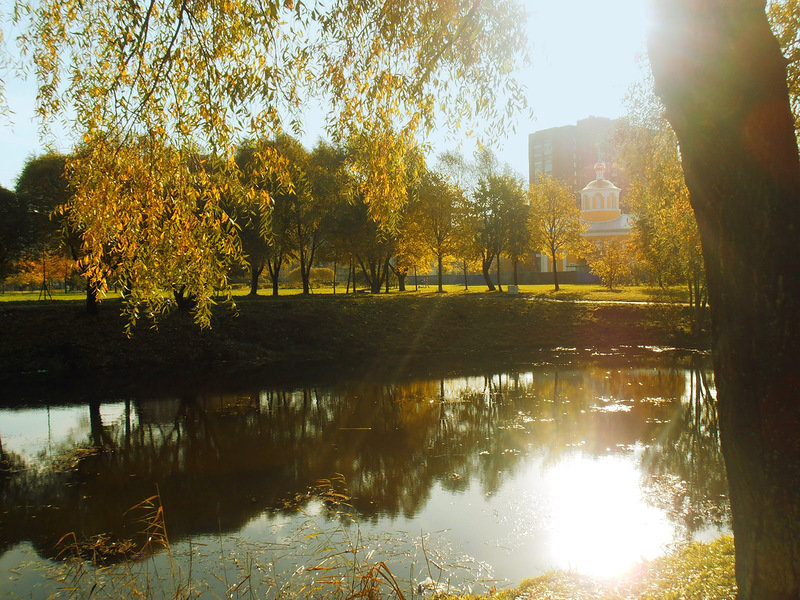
x: 585, y: 55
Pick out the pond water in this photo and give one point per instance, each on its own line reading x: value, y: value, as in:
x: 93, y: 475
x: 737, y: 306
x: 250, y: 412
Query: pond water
x: 467, y: 481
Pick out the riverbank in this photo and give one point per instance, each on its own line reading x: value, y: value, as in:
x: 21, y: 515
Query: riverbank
x: 696, y: 572
x: 278, y: 338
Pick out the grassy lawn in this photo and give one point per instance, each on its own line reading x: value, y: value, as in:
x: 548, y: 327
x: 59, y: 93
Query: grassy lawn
x: 630, y: 293
x: 584, y: 292
x: 57, y: 296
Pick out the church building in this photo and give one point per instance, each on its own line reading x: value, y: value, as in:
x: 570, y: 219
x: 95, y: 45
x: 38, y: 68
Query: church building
x: 567, y: 154
x: 600, y: 209
x: 601, y: 213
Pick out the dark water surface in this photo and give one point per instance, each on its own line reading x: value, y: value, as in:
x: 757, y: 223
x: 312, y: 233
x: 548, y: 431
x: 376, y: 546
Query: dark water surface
x: 474, y: 481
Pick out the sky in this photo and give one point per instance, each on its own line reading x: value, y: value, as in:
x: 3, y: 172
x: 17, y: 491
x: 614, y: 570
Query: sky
x: 585, y: 55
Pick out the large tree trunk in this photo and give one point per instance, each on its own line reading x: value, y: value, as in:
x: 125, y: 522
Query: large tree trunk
x: 722, y: 78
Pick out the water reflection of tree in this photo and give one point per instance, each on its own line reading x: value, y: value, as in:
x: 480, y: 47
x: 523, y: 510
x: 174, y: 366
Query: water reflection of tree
x: 219, y: 461
x: 684, y: 468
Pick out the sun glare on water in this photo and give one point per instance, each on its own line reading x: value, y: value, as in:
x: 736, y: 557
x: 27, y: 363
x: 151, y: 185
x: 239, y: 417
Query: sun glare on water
x: 601, y: 524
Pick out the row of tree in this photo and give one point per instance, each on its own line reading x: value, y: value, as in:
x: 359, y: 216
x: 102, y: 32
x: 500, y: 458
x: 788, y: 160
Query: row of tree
x: 291, y: 206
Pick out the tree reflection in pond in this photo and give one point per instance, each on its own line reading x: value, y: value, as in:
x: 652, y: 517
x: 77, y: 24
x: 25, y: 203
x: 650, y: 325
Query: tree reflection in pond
x: 684, y: 465
x: 422, y: 455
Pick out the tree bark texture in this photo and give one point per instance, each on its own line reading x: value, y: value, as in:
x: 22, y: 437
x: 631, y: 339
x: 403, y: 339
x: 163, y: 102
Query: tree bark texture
x: 722, y: 78
x: 486, y: 264
x: 374, y: 273
x: 255, y: 273
x: 555, y: 269
x: 499, y: 287
x: 440, y: 268
x: 274, y: 267
x: 303, y: 273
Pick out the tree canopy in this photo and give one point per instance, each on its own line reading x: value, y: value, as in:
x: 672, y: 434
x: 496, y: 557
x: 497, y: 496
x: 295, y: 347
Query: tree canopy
x: 162, y: 91
x: 784, y: 17
x: 666, y: 239
x: 13, y: 223
x: 555, y: 220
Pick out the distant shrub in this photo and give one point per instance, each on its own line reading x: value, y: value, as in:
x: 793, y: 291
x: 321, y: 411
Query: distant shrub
x: 318, y: 276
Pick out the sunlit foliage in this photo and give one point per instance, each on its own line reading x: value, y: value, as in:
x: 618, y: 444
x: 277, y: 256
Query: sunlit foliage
x: 610, y: 260
x: 486, y: 225
x: 153, y: 213
x: 433, y: 219
x: 152, y: 86
x: 520, y: 240
x: 666, y: 238
x: 39, y: 271
x: 784, y: 18
x: 555, y: 220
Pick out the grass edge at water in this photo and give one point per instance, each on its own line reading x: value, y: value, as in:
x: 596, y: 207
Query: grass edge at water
x: 698, y: 571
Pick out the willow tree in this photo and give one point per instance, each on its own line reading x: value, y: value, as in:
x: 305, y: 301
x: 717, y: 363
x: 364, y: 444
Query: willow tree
x: 722, y: 78
x: 150, y: 83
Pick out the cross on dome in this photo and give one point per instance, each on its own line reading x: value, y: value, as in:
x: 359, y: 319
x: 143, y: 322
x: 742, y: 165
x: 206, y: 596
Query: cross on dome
x: 599, y: 169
